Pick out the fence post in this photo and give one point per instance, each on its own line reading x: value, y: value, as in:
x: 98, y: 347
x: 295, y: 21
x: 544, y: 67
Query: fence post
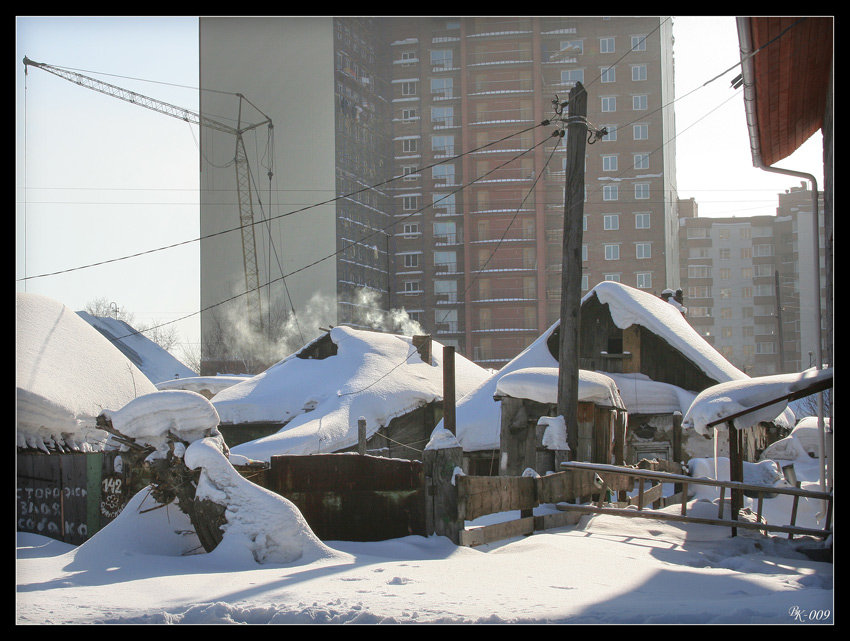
x: 441, y: 514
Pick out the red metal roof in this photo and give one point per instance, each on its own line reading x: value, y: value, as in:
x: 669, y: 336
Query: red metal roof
x: 791, y: 78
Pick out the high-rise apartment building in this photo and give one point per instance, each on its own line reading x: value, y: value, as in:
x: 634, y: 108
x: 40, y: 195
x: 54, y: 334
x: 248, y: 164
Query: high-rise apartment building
x: 478, y: 254
x: 749, y: 284
x: 412, y: 170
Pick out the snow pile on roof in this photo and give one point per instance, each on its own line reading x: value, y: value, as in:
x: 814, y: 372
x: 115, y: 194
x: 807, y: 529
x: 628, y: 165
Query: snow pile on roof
x: 66, y: 374
x: 478, y: 415
x: 262, y: 526
x: 373, y: 375
x: 209, y: 386
x: 630, y: 306
x: 541, y: 384
x: 156, y: 363
x: 150, y: 419
x: 732, y: 397
x: 642, y: 395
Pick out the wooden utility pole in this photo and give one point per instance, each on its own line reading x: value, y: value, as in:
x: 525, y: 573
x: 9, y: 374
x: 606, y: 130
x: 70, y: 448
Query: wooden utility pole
x: 571, y: 264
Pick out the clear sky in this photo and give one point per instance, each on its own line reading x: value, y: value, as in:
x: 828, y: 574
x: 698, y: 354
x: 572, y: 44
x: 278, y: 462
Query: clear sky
x: 98, y: 178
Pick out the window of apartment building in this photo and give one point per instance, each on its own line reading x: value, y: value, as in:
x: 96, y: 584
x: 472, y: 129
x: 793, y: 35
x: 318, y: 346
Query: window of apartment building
x: 442, y: 116
x: 725, y: 313
x: 410, y: 229
x: 410, y: 145
x: 724, y: 273
x: 638, y: 43
x: 408, y: 58
x: 747, y: 312
x: 443, y: 145
x: 573, y: 47
x: 641, y: 161
x: 640, y: 132
x: 697, y: 232
x: 444, y: 204
x: 724, y: 253
x: 747, y: 331
x: 699, y: 291
x: 610, y: 192
x: 609, y: 162
x: 699, y: 271
x: 762, y: 270
x: 446, y: 320
x: 638, y: 72
x: 584, y: 282
x: 763, y: 290
x: 763, y: 250
x: 409, y: 172
x: 612, y: 252
x: 606, y: 45
x: 443, y: 174
x: 746, y: 292
x: 441, y: 59
x: 445, y: 261
x: 572, y: 76
x: 726, y: 332
x: 609, y: 103
x: 411, y: 261
x: 643, y: 250
x: 643, y: 280
x: 698, y: 252
x: 745, y: 233
x: 612, y: 277
x: 409, y: 114
x: 641, y: 191
x: 446, y: 290
x: 746, y: 252
x: 723, y: 234
x: 584, y: 222
x: 584, y: 253
x: 445, y: 232
x: 765, y: 347
x: 610, y: 222
x: 640, y: 102
x: 725, y: 292
x: 441, y: 87
x: 412, y: 287
x: 409, y: 88
x: 699, y: 312
x: 410, y: 203
x: 642, y: 220
x: 608, y: 74
x: 612, y: 133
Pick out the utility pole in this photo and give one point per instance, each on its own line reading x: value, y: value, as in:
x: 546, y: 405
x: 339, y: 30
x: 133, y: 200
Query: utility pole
x: 571, y: 264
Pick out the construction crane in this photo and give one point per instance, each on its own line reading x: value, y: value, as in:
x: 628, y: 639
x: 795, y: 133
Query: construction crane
x: 240, y: 161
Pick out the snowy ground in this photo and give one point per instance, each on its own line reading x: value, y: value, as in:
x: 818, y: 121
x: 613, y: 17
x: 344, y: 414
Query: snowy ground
x: 605, y: 570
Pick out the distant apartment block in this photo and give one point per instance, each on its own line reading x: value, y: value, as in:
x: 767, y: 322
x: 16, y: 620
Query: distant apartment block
x: 748, y: 284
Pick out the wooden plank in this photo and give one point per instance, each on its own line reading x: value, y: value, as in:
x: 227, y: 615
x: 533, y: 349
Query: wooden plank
x: 663, y: 516
x: 651, y: 495
x: 480, y: 495
x: 497, y: 532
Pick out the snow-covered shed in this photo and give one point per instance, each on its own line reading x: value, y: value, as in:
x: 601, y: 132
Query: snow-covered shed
x: 207, y: 386
x: 312, y: 400
x: 156, y: 363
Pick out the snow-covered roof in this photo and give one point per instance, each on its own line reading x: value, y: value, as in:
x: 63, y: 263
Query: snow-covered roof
x: 726, y: 399
x: 642, y: 395
x: 629, y: 306
x: 156, y: 363
x: 211, y: 385
x: 66, y: 373
x: 541, y: 384
x: 373, y: 375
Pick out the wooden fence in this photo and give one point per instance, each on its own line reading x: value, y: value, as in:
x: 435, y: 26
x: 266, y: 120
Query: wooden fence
x: 574, y: 489
x: 68, y: 497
